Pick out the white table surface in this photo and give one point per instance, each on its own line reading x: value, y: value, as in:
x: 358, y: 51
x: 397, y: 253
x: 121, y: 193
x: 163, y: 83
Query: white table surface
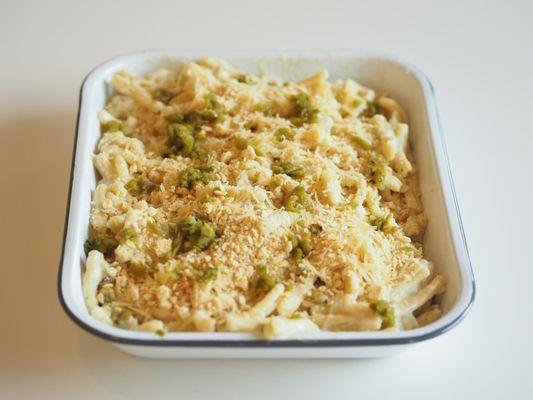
x: 479, y: 57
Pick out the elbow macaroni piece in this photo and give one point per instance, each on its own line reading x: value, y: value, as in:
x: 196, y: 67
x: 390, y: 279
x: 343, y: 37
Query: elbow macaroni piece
x: 95, y: 271
x: 268, y: 304
x: 285, y: 328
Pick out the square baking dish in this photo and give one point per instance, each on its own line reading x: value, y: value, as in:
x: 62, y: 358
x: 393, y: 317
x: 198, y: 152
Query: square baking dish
x: 444, y: 242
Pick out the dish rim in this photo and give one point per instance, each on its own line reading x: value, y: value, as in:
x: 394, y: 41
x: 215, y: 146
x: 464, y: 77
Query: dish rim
x: 381, y: 338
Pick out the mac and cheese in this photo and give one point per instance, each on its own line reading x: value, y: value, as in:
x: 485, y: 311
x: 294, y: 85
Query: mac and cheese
x: 231, y: 202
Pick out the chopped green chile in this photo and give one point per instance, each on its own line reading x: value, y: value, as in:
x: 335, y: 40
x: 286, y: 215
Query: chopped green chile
x: 258, y: 151
x: 297, y: 315
x: 108, y: 293
x: 357, y: 102
x: 207, y: 273
x: 294, y: 240
x: 158, y: 229
x: 112, y: 126
x: 207, y: 236
x: 243, y: 78
x: 164, y: 95
x: 305, y: 243
x: 103, y: 242
x: 301, y: 246
x: 416, y: 252
x: 213, y: 108
x: 288, y: 169
x: 175, y: 118
x: 315, y: 228
x: 386, y: 311
x: 121, y: 315
x: 372, y: 109
x: 241, y: 143
x: 274, y: 182
x: 377, y: 222
x: 190, y: 224
x: 139, y: 270
x: 192, y: 232
x: 296, y: 200
x: 305, y: 112
x: 283, y: 133
x: 193, y: 177
x: 262, y: 280
x: 212, y: 112
x: 360, y: 142
x: 140, y: 186
x: 207, y: 199
x: 183, y: 136
x: 182, y: 140
x: 130, y: 233
x: 265, y: 109
x: 177, y: 243
x: 297, y: 255
x: 167, y: 276
x: 378, y: 166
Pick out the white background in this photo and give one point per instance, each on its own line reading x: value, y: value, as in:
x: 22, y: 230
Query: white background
x: 479, y: 56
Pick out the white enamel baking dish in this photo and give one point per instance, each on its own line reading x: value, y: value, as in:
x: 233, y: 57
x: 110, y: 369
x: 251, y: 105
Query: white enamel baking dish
x: 445, y: 243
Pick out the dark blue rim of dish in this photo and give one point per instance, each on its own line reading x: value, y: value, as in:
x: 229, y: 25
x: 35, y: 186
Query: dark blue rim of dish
x: 382, y: 341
